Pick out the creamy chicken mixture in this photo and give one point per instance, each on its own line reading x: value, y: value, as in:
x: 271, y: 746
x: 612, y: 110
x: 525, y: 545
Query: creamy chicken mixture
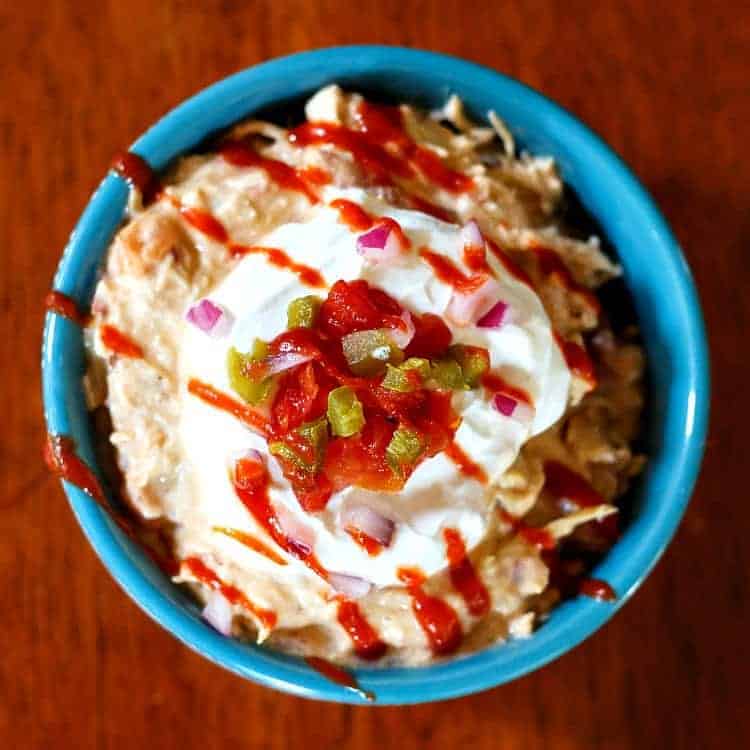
x: 360, y: 373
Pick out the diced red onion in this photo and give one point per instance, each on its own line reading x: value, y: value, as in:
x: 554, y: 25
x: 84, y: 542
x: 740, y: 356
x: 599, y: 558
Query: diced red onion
x: 471, y: 234
x: 511, y: 407
x: 301, y: 536
x: 496, y: 316
x: 351, y: 587
x: 380, y: 243
x: 402, y: 335
x: 211, y: 318
x: 218, y: 612
x: 466, y: 308
x: 368, y: 521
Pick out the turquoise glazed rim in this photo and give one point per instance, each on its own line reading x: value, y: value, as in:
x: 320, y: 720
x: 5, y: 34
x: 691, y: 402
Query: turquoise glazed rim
x: 655, y: 272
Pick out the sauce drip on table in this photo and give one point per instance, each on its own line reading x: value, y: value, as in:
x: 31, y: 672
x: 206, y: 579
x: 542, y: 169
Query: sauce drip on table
x: 61, y: 304
x: 463, y: 575
x: 436, y: 617
x: 340, y: 676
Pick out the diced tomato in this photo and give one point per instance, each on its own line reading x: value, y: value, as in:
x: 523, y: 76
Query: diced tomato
x: 431, y: 338
x: 360, y: 460
x: 354, y: 306
x: 437, y: 421
x: 298, y: 399
x: 314, y: 494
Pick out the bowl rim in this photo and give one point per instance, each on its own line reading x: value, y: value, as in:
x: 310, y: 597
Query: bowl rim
x: 575, y: 620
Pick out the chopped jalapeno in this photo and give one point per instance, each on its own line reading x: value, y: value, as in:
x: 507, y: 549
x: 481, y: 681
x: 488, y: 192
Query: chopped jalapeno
x: 404, y: 380
x: 345, y: 412
x: 288, y: 454
x: 447, y: 374
x: 316, y: 434
x: 404, y: 450
x: 368, y: 352
x: 473, y: 360
x: 252, y: 391
x: 303, y: 312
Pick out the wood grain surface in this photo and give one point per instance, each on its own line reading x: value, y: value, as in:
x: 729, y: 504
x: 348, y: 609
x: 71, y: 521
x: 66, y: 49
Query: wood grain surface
x: 665, y: 83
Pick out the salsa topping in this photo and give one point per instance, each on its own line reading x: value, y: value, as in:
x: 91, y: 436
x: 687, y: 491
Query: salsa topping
x: 347, y: 405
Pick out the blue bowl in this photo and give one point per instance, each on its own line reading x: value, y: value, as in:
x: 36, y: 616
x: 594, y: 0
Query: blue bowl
x: 655, y: 272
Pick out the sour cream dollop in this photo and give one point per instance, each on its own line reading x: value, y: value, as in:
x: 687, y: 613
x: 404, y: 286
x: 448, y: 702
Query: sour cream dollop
x: 437, y: 495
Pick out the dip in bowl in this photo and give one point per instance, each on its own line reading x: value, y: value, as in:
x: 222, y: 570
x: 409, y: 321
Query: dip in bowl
x: 678, y: 382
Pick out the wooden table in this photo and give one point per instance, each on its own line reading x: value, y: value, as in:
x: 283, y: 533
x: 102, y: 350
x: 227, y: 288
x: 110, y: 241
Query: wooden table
x: 664, y: 83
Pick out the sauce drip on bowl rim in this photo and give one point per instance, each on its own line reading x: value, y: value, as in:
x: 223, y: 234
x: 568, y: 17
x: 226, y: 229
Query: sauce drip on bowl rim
x: 138, y: 173
x: 62, y: 304
x: 339, y: 675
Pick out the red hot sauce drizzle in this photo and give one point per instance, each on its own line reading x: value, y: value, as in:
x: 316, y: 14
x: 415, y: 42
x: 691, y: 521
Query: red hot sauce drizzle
x: 288, y: 178
x: 232, y: 594
x: 277, y: 257
x: 551, y: 264
x: 206, y: 223
x: 449, y: 273
x: 465, y: 465
x: 463, y: 575
x: 213, y: 397
x: 252, y: 543
x: 372, y: 546
x: 497, y: 384
x: 367, y: 644
x: 352, y: 215
x: 577, y: 359
x: 63, y: 305
x: 597, y: 589
x: 533, y: 535
x: 437, y: 618
x: 251, y: 486
x: 567, y: 486
x: 508, y: 264
x: 377, y: 126
x: 120, y: 343
x: 137, y: 172
x: 340, y: 676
